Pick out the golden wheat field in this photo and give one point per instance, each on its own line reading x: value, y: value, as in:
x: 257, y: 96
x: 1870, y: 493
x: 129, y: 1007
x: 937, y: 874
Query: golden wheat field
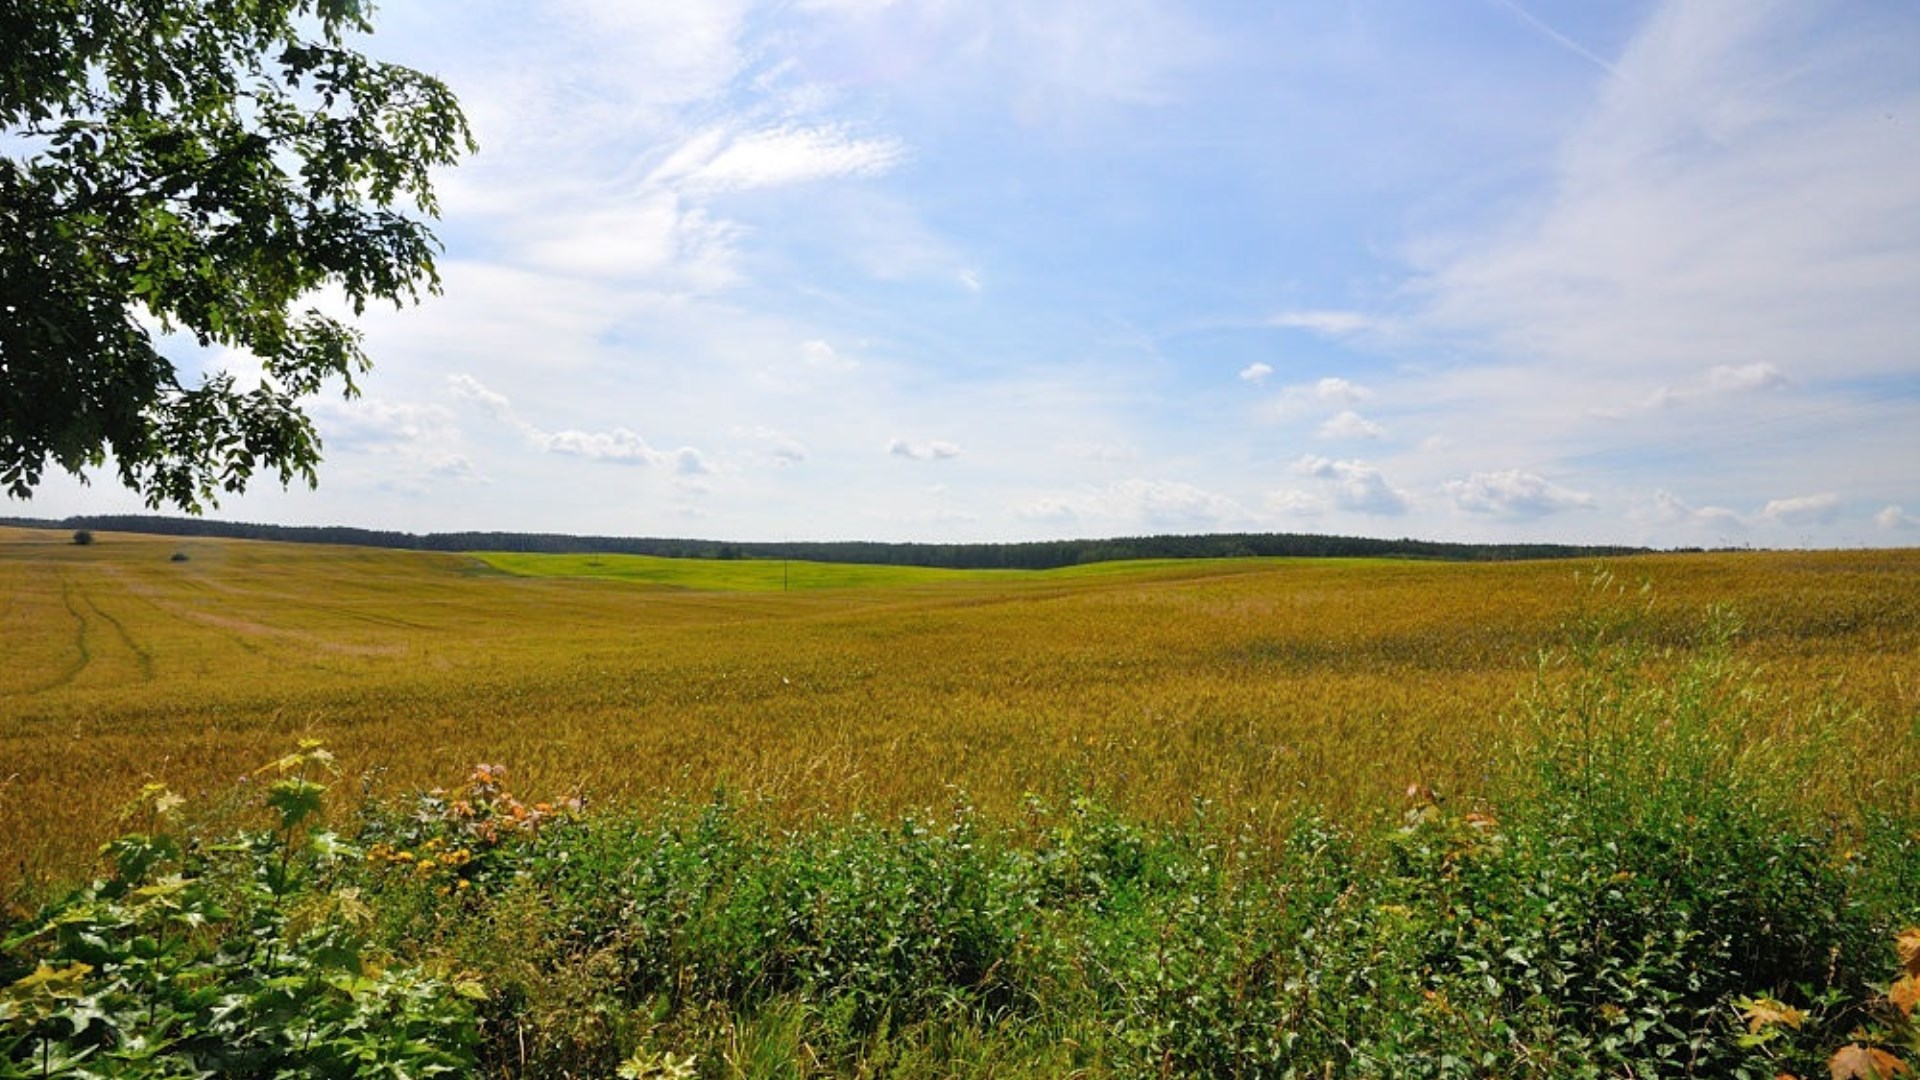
x: 1263, y: 685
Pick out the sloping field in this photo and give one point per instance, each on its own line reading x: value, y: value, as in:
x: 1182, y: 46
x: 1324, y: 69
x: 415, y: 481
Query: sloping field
x: 1261, y: 684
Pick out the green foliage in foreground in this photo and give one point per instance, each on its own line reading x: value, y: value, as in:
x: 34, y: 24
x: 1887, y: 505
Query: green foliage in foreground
x: 1645, y: 901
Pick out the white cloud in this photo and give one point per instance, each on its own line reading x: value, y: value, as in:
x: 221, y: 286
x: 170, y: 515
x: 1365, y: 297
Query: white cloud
x: 1761, y: 376
x: 1722, y: 380
x: 784, y: 448
x: 652, y: 234
x: 715, y: 161
x: 618, y: 446
x: 1821, y: 509
x: 1355, y: 485
x: 1724, y: 207
x: 1670, y: 509
x: 1350, y: 425
x: 1059, y: 57
x: 1324, y: 323
x: 408, y: 445
x: 1334, y: 388
x: 824, y: 357
x: 455, y: 467
x: 1296, y: 503
x: 1513, y: 493
x: 495, y: 403
x: 1895, y: 517
x: 930, y: 451
x: 366, y: 424
x: 1255, y: 373
x: 1331, y: 390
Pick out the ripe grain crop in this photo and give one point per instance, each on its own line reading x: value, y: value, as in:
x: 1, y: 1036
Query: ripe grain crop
x: 1260, y: 685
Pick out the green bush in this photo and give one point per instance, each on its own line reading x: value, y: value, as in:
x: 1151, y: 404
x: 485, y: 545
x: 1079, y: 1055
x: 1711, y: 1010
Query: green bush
x: 244, y: 958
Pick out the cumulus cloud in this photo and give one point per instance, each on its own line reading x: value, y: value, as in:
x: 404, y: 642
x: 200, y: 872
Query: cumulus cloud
x: 821, y: 356
x: 1670, y: 509
x: 1821, y: 509
x: 1513, y: 493
x: 1332, y: 390
x: 1895, y: 517
x: 413, y: 443
x: 936, y: 450
x: 618, y: 446
x: 364, y: 424
x: 1354, y: 485
x: 454, y: 467
x: 1255, y: 373
x: 494, y: 403
x: 1348, y: 424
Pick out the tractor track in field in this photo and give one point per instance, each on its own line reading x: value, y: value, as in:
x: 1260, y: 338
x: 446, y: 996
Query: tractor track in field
x: 82, y: 652
x: 141, y: 656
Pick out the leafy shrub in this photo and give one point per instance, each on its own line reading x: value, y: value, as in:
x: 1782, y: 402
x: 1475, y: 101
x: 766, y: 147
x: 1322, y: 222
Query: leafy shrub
x: 246, y: 958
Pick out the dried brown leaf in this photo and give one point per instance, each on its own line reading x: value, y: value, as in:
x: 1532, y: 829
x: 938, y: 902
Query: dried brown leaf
x: 1856, y: 1062
x: 1764, y: 1012
x: 1905, y: 994
x: 1907, y: 944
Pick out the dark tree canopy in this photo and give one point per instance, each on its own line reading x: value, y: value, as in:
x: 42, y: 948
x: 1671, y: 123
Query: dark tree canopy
x: 201, y: 167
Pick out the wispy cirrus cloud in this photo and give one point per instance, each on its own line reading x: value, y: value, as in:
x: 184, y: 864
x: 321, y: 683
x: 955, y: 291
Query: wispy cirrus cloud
x: 1327, y: 323
x: 720, y: 161
x: 1720, y: 381
x: 1676, y: 231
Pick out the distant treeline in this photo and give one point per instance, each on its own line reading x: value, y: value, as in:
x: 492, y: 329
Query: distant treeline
x: 1035, y: 555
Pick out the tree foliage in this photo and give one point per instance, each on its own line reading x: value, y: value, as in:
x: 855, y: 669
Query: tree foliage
x: 175, y: 170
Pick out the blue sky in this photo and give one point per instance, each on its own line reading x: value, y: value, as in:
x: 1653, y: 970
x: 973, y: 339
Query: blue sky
x: 964, y: 270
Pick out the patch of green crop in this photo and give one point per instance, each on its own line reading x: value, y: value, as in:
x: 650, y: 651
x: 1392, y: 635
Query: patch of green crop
x: 727, y: 575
